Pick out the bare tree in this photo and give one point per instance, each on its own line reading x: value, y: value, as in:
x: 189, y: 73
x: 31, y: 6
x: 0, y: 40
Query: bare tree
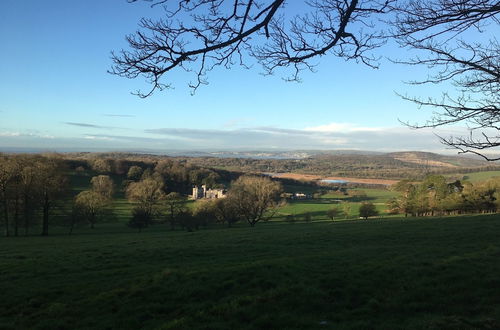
x: 89, y: 206
x: 175, y: 205
x: 332, y: 213
x: 226, y: 211
x: 103, y: 185
x: 147, y: 193
x: 255, y: 198
x: 50, y: 185
x: 456, y: 43
x: 8, y: 168
x: 28, y: 187
x: 199, y: 35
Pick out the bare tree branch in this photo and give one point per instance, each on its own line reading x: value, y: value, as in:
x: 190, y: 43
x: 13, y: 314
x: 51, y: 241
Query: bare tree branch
x: 199, y: 35
x: 459, y: 47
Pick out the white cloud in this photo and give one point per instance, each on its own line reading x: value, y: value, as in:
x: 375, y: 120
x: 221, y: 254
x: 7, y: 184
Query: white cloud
x: 20, y: 134
x: 10, y: 134
x: 327, y: 137
x: 103, y: 138
x: 342, y: 128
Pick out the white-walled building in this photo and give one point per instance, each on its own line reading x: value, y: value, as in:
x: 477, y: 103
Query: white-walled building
x: 203, y: 192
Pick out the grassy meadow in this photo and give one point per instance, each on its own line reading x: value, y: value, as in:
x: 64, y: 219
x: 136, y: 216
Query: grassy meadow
x: 427, y: 273
x: 480, y: 176
x: 318, y: 207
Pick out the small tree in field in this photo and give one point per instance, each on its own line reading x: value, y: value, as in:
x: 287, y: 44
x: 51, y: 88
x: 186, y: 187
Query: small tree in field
x: 103, y: 185
x: 367, y: 210
x: 333, y: 213
x: 90, y: 206
x: 255, y: 197
x: 226, y: 211
x: 174, y: 204
x: 147, y: 194
x: 346, y: 209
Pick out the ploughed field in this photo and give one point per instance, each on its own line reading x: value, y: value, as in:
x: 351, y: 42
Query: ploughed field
x: 426, y: 273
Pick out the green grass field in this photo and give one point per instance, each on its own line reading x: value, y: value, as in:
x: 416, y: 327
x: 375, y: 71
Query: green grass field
x: 317, y: 207
x: 431, y: 273
x: 480, y: 176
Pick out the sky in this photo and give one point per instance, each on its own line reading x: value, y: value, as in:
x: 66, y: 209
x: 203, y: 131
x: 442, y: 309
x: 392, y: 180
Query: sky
x: 56, y: 94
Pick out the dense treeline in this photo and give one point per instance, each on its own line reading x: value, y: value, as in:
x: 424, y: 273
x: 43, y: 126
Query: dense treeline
x: 36, y: 190
x: 179, y: 175
x: 30, y: 188
x: 436, y: 196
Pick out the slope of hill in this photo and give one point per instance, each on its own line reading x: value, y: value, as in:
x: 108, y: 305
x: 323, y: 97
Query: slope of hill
x: 378, y: 274
x: 413, y: 165
x: 437, y: 160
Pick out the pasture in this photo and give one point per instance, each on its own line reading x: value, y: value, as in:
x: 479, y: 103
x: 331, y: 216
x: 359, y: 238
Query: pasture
x: 426, y: 273
x: 318, y: 207
x: 480, y: 176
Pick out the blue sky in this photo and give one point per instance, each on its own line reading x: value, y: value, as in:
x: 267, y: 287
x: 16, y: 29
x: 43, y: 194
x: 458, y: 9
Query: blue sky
x: 56, y: 94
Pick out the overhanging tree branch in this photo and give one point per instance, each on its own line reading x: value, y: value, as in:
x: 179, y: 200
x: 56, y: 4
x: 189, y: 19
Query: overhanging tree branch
x: 199, y: 35
x: 437, y: 30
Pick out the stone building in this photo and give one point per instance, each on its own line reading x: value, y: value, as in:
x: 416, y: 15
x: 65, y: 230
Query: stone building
x: 203, y: 192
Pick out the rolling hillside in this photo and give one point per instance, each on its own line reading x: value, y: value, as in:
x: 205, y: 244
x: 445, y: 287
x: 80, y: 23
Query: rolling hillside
x: 397, y: 165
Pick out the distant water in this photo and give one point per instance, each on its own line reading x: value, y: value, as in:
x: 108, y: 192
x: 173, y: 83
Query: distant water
x: 334, y: 181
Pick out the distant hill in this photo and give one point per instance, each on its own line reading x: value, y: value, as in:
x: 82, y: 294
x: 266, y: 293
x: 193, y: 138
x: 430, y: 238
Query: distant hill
x: 437, y: 160
x: 342, y: 163
x: 394, y: 165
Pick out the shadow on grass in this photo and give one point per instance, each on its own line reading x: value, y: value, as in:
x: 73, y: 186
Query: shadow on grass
x: 353, y: 199
x: 315, y: 216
